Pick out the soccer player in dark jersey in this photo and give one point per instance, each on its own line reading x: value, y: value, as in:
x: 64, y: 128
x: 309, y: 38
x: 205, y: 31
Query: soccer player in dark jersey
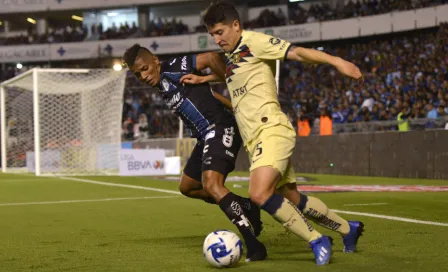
x: 218, y: 139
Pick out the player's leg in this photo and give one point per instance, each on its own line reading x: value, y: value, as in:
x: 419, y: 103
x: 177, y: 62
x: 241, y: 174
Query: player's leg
x: 218, y: 160
x: 270, y: 155
x: 190, y: 182
x: 192, y: 188
x: 263, y: 181
x: 316, y: 210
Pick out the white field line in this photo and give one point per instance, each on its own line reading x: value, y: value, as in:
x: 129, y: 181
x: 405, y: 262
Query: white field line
x: 395, y: 218
x: 122, y: 185
x: 14, y: 180
x: 83, y: 200
x: 366, y: 204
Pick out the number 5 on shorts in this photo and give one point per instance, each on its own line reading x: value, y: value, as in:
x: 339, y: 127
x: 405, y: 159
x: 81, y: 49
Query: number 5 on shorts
x: 259, y: 149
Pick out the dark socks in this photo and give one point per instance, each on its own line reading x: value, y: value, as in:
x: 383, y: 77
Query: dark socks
x: 230, y: 204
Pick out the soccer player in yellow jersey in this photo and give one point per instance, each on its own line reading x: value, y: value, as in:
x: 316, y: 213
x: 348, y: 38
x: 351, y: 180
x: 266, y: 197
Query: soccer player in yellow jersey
x: 267, y: 134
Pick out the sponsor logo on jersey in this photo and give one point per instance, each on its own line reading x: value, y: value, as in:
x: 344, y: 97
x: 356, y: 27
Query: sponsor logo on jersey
x: 283, y: 45
x: 239, y: 91
x: 230, y: 154
x: 184, y: 64
x: 175, y: 101
x: 208, y: 160
x: 210, y: 135
x: 166, y: 85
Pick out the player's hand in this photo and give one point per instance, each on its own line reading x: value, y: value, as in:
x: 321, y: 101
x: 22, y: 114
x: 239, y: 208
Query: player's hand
x: 191, y: 79
x: 349, y: 69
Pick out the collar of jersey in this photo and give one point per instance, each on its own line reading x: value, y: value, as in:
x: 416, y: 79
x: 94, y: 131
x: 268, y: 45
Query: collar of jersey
x: 237, y: 44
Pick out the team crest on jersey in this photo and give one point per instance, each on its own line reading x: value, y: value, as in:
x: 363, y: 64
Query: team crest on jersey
x: 166, y: 85
x: 233, y: 60
x: 236, y: 58
x: 274, y: 41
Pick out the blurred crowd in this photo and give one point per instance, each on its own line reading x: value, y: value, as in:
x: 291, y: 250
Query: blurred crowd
x: 166, y: 28
x: 145, y: 114
x: 267, y: 18
x: 123, y: 31
x: 74, y: 33
x: 403, y: 73
x: 323, y: 12
x: 77, y: 33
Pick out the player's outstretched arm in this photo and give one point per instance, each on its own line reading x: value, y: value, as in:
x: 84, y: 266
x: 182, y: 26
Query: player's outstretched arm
x: 195, y: 79
x: 318, y: 57
x: 210, y: 60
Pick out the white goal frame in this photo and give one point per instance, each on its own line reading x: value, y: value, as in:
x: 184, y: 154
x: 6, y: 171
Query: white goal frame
x: 36, y: 112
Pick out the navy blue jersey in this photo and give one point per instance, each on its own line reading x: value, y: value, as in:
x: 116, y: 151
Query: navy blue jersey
x: 194, y: 104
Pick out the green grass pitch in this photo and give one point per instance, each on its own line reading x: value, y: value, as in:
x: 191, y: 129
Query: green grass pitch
x: 131, y: 229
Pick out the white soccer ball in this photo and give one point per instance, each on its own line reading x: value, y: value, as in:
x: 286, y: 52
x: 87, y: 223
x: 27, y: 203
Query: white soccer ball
x: 222, y: 248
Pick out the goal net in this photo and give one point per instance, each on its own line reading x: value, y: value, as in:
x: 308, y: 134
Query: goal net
x: 62, y: 121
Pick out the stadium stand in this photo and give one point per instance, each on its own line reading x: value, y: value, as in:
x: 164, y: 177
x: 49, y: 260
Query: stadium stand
x: 392, y: 85
x: 163, y: 27
x: 404, y: 77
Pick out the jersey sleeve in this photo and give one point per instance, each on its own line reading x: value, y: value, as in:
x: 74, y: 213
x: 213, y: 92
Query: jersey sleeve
x: 268, y: 47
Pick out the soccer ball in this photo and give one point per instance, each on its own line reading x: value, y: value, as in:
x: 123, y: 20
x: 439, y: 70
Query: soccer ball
x: 222, y: 248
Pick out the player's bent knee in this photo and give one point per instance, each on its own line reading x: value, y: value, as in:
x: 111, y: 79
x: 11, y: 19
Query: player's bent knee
x: 259, y: 197
x: 188, y: 185
x: 183, y: 189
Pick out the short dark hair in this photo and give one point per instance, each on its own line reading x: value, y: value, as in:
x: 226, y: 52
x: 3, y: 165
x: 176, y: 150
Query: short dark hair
x: 132, y: 52
x: 220, y: 12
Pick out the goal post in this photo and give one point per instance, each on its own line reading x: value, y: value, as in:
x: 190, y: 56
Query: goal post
x: 62, y: 121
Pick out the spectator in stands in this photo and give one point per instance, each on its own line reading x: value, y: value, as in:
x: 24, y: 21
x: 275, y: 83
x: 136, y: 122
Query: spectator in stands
x: 303, y: 124
x: 141, y: 129
x: 281, y: 17
x: 128, y: 129
x: 431, y: 112
x: 402, y: 118
x: 267, y: 18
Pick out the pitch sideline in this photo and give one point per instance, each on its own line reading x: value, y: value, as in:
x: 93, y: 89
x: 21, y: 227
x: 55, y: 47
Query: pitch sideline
x: 381, y: 216
x: 84, y: 200
x: 122, y: 185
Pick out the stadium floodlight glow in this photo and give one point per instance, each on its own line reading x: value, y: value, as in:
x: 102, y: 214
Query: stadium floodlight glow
x: 19, y: 66
x: 77, y: 18
x: 118, y: 67
x: 31, y: 20
x: 292, y: 1
x: 112, y: 14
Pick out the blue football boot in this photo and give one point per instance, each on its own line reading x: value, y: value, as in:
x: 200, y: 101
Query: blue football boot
x: 351, y: 239
x: 322, y: 249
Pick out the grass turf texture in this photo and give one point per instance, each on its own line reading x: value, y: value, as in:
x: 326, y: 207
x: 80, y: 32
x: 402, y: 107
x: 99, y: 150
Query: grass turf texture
x: 166, y: 234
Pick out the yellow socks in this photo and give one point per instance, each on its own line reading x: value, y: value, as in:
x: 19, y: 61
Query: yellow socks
x: 319, y: 212
x: 289, y: 215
